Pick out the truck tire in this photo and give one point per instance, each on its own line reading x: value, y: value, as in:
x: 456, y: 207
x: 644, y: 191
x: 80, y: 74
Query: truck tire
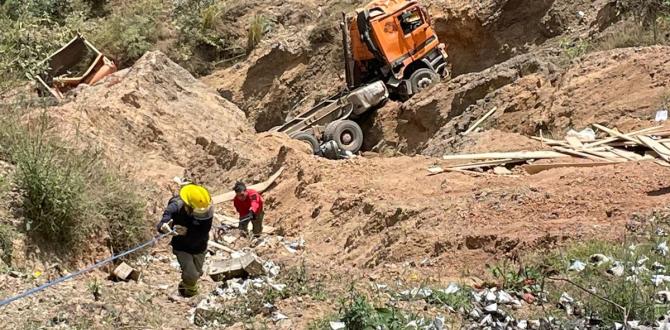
x: 422, y: 79
x: 346, y: 133
x: 309, y: 139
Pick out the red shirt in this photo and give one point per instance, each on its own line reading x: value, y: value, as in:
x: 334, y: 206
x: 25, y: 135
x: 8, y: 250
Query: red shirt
x: 253, y: 202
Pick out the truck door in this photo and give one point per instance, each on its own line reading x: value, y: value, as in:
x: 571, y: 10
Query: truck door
x: 414, y: 30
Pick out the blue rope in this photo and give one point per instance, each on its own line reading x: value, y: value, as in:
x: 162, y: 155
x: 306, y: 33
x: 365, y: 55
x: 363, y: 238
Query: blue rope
x: 82, y: 271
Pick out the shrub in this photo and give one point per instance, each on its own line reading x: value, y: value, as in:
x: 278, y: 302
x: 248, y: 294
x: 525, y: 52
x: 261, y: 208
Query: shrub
x: 69, y: 195
x: 128, y: 32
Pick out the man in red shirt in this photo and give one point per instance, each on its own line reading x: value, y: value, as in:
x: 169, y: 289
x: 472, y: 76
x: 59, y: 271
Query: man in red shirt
x: 249, y: 204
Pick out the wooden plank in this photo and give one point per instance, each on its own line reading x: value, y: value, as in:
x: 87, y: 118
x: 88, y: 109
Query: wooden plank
x: 550, y: 142
x: 457, y: 170
x: 260, y: 187
x: 574, y: 142
x: 581, y: 154
x: 627, y: 154
x: 660, y: 149
x: 525, y: 155
x: 537, y: 168
x: 606, y: 155
x: 481, y: 120
x: 614, y: 139
x: 616, y: 133
x: 220, y: 247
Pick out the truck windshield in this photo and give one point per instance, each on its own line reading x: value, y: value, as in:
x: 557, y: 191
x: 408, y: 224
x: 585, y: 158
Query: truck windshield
x: 411, y: 20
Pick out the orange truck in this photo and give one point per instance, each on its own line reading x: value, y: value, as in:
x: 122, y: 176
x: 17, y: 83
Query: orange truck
x: 390, y: 47
x: 393, y: 40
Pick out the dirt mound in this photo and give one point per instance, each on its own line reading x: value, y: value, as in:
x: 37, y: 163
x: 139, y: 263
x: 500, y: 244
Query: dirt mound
x: 531, y: 96
x: 156, y: 118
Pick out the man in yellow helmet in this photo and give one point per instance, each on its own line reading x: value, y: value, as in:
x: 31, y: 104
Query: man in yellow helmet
x: 190, y: 215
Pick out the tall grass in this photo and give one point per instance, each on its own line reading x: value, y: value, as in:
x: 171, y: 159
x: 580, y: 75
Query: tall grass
x: 70, y: 197
x: 258, y: 27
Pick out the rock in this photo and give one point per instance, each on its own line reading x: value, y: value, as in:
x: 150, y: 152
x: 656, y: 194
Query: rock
x: 522, y: 324
x: 488, y: 319
x: 500, y: 170
x: 492, y: 308
x: 529, y: 297
x: 249, y: 264
x: 490, y: 296
x: 506, y: 299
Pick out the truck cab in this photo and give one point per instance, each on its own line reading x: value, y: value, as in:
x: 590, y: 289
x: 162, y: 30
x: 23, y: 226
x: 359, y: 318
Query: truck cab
x: 394, y: 40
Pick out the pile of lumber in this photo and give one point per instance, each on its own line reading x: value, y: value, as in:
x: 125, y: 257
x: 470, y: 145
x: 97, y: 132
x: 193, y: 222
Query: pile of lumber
x: 616, y: 147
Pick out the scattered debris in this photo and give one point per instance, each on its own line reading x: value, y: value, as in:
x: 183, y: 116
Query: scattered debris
x: 337, y: 325
x: 583, y: 144
x: 662, y: 248
x: 577, y: 266
x: 663, y: 297
x: 598, y: 259
x: 247, y: 265
x: 63, y: 73
x: 617, y: 269
x: 124, y: 272
x: 415, y: 293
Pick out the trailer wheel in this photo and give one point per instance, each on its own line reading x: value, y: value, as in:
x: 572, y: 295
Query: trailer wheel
x: 309, y: 139
x: 422, y: 79
x: 346, y: 133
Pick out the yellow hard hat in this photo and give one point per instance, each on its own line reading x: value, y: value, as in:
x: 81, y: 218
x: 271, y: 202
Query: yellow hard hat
x: 197, y: 198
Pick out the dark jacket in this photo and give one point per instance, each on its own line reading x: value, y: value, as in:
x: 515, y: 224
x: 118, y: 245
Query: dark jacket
x: 195, y: 240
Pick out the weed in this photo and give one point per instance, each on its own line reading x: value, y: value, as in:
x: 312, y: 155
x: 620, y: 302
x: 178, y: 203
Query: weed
x: 519, y: 279
x: 574, y: 48
x: 298, y: 283
x: 614, y: 298
x: 7, y: 235
x: 360, y: 314
x: 462, y: 299
x: 94, y: 289
x: 258, y: 27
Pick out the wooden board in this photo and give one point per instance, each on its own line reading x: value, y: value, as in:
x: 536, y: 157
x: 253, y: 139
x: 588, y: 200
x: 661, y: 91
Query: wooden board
x: 616, y: 133
x: 574, y: 142
x: 616, y: 138
x: 481, y: 120
x: 537, y: 168
x: 581, y: 154
x: 660, y: 149
x: 525, y: 155
x: 260, y: 187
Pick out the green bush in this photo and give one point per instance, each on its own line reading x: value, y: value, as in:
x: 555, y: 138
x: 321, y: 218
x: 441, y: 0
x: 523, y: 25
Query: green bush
x: 69, y: 196
x: 129, y: 31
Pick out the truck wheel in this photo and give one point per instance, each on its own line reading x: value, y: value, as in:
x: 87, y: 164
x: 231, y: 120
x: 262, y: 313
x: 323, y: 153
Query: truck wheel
x: 422, y: 79
x: 346, y: 133
x: 309, y: 139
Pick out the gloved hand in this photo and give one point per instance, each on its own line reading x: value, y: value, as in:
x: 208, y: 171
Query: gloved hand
x: 246, y: 218
x: 166, y: 227
x: 180, y: 230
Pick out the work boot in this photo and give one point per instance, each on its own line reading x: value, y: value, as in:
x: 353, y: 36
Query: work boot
x: 186, y: 290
